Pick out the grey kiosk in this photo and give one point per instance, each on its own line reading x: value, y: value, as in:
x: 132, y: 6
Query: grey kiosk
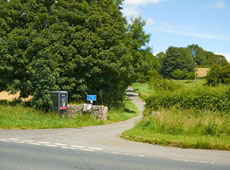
x: 60, y: 102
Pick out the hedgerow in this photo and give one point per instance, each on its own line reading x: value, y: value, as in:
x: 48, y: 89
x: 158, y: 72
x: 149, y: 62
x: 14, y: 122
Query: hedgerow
x: 216, y: 99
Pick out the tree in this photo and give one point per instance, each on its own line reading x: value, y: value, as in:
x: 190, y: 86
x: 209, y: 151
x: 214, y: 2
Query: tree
x: 178, y: 74
x: 218, y: 75
x: 141, y: 55
x: 206, y: 58
x: 78, y: 46
x: 177, y: 58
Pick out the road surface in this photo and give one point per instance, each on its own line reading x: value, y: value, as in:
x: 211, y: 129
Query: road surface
x: 99, y: 147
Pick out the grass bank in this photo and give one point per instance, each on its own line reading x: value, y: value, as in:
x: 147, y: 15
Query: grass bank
x: 19, y: 117
x: 192, y: 115
x: 143, y: 89
x: 184, y: 128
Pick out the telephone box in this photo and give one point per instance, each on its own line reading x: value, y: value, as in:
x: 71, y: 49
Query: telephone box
x: 60, y: 102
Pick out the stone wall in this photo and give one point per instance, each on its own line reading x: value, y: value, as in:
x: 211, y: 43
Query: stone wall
x: 98, y: 112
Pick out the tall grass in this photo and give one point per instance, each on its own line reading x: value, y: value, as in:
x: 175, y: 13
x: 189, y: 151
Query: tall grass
x: 191, y: 116
x: 128, y: 111
x: 186, y: 129
x: 19, y: 117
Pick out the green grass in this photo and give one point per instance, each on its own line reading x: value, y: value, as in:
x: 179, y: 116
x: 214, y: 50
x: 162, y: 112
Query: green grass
x: 185, y: 129
x: 191, y: 128
x: 128, y: 111
x: 191, y: 83
x: 142, y: 89
x: 19, y: 117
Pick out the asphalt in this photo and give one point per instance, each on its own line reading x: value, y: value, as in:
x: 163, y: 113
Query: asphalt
x: 28, y: 157
x: 104, y: 142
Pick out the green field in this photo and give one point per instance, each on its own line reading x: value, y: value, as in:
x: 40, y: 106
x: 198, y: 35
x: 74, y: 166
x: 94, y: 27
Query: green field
x: 185, y: 127
x: 19, y: 117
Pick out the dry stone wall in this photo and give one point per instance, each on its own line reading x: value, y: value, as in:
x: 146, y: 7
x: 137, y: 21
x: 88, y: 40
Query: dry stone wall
x: 98, y: 112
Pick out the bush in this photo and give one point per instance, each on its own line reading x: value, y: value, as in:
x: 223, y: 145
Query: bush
x: 178, y: 74
x: 164, y: 84
x: 216, y: 99
x: 218, y: 75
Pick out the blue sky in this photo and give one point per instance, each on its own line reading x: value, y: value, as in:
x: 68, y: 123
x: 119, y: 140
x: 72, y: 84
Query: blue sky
x: 184, y: 22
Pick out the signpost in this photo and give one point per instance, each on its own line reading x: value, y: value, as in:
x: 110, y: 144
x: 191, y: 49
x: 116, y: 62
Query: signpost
x: 91, y: 98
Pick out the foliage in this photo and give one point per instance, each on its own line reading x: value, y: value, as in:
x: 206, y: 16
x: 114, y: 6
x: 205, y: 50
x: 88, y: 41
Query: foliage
x: 206, y: 58
x: 178, y: 74
x: 127, y: 111
x: 142, y: 58
x: 83, y: 47
x: 19, y: 117
x: 218, y: 75
x: 164, y: 85
x: 177, y: 59
x: 215, y: 99
x: 190, y: 128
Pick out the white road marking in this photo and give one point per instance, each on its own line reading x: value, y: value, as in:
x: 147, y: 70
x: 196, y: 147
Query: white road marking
x: 3, y: 140
x: 52, y: 145
x: 60, y: 144
x: 90, y: 150
x: 28, y: 141
x: 43, y: 142
x: 14, y: 139
x: 65, y: 147
x: 126, y: 154
x: 99, y: 149
x: 34, y: 143
x: 77, y: 146
x: 185, y: 160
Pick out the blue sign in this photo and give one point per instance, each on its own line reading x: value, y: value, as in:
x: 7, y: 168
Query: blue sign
x: 91, y: 98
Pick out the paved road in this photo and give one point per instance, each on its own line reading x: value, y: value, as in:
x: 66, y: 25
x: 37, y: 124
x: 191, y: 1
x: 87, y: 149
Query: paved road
x: 28, y: 157
x: 91, y: 147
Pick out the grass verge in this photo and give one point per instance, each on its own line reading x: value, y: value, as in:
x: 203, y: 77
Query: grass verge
x: 129, y: 110
x: 142, y: 89
x: 19, y: 117
x: 184, y: 129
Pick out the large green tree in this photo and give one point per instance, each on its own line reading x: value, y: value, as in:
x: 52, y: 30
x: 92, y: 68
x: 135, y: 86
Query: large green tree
x: 177, y: 59
x: 141, y: 55
x: 79, y: 46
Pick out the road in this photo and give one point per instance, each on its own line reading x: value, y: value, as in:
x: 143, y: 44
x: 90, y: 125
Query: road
x: 99, y: 147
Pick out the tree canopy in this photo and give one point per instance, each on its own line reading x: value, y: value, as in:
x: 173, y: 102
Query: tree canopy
x: 177, y: 60
x: 84, y: 47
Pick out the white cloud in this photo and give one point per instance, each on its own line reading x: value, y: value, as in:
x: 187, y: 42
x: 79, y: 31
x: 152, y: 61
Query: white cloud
x: 140, y: 2
x: 131, y: 7
x: 220, y: 4
x: 150, y: 22
x: 131, y: 11
x: 186, y: 31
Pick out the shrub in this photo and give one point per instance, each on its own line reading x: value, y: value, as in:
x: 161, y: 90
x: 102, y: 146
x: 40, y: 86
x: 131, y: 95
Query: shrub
x: 164, y: 84
x: 178, y: 74
x: 218, y: 75
x: 216, y: 99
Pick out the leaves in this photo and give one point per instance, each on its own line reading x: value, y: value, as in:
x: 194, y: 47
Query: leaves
x: 83, y: 47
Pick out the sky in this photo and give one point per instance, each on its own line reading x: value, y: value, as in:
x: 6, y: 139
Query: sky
x: 181, y: 23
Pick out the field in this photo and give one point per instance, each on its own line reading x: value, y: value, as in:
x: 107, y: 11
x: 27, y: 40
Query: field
x: 186, y: 127
x: 7, y: 96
